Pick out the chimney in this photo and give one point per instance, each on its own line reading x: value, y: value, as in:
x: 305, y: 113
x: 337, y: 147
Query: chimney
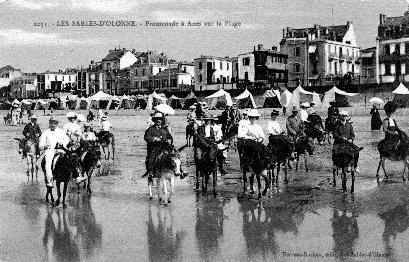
x: 260, y: 47
x: 382, y: 19
x: 92, y: 62
x: 349, y: 23
x: 254, y: 48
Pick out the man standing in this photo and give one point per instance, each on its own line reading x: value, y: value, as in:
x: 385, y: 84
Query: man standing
x: 155, y: 136
x: 32, y: 132
x: 48, y: 140
x: 344, y: 136
x: 294, y: 125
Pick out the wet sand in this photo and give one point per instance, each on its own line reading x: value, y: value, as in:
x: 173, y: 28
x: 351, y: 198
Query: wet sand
x: 307, y: 220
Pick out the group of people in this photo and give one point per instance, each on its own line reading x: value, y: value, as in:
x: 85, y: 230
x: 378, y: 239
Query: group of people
x: 55, y: 138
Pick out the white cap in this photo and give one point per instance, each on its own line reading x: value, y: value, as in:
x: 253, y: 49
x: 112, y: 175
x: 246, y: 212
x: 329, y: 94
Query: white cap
x: 71, y: 115
x: 253, y: 113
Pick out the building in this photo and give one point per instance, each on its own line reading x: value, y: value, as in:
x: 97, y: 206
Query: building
x: 51, y: 83
x: 116, y: 60
x: 368, y: 66
x: 8, y: 73
x: 321, y: 55
x: 235, y: 69
x: 180, y: 80
x: 263, y: 68
x: 89, y: 80
x: 392, y: 47
x: 149, y: 64
x: 24, y: 86
x: 212, y: 73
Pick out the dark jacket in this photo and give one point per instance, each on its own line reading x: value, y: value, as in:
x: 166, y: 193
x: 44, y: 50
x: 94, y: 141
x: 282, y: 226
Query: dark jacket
x: 343, y: 130
x: 32, y: 130
x: 333, y: 111
x: 294, y: 127
x: 153, y: 132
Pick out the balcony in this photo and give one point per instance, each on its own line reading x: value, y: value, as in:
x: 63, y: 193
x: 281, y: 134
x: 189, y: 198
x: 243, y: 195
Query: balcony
x: 350, y: 59
x: 332, y: 56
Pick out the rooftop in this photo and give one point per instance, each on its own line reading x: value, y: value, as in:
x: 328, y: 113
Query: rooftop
x: 334, y: 32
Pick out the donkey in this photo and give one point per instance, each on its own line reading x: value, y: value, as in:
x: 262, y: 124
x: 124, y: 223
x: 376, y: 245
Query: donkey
x: 107, y: 143
x: 256, y: 160
x: 90, y: 158
x: 303, y: 146
x: 166, y: 166
x: 280, y: 152
x: 28, y: 148
x: 64, y: 167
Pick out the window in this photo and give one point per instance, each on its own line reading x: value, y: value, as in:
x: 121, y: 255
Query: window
x: 48, y: 77
x: 184, y: 69
x: 200, y: 78
x: 407, y: 68
x: 246, y: 75
x: 200, y: 65
x: 160, y: 70
x: 297, y: 51
x: 387, y: 69
x: 407, y: 48
x: 63, y: 78
x: 214, y: 65
x: 136, y: 72
x: 336, y: 68
x: 55, y: 78
x: 143, y: 72
x: 227, y: 66
x: 397, y: 49
x: 387, y: 50
x: 246, y: 61
x: 69, y: 78
x: 228, y: 79
x: 221, y: 65
x: 109, y: 66
x: 297, y: 68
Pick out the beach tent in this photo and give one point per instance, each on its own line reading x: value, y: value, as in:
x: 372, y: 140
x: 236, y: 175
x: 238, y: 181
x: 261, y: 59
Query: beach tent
x: 189, y: 100
x: 316, y: 99
x: 271, y: 98
x: 330, y: 95
x: 100, y: 95
x: 175, y: 102
x: 401, y: 95
x: 245, y: 100
x: 220, y: 99
x: 300, y: 95
x: 155, y: 99
x: 127, y: 102
x: 84, y: 103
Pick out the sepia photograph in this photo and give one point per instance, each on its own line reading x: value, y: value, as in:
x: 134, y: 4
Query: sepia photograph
x: 204, y: 130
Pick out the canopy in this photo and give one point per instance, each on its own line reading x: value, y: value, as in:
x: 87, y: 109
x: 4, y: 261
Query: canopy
x: 299, y: 96
x: 246, y: 98
x: 401, y: 90
x: 316, y: 99
x: 330, y: 95
x: 220, y: 96
x: 100, y: 96
x: 191, y: 95
x: 155, y: 99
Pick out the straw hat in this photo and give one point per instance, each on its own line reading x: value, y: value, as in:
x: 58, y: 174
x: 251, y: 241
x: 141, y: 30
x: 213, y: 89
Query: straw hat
x: 305, y: 105
x: 53, y: 120
x: 33, y: 117
x: 192, y: 107
x: 253, y: 113
x: 157, y: 115
x: 81, y: 117
x: 295, y: 109
x: 104, y: 117
x: 275, y: 113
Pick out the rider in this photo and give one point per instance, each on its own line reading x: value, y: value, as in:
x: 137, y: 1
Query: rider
x: 191, y: 116
x: 72, y: 129
x: 48, y: 141
x: 225, y: 118
x: 303, y: 112
x: 105, y: 127
x: 333, y: 110
x: 390, y: 128
x: 32, y: 132
x: 214, y: 133
x: 88, y: 135
x: 295, y: 127
x: 252, y: 131
x: 155, y: 136
x: 344, y: 136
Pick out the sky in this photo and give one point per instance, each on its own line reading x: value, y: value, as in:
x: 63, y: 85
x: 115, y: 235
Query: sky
x: 26, y: 45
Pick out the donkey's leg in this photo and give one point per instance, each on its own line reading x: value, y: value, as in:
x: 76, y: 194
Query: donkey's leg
x: 259, y: 185
x: 150, y: 184
x: 58, y: 193
x: 383, y: 168
x: 251, y: 183
x: 334, y: 181
x: 172, y: 188
x: 286, y: 170
x: 89, y: 184
x: 297, y: 161
x: 158, y: 188
x: 244, y: 182
x: 305, y: 161
x: 352, y: 181
x: 165, y: 190
x: 214, y: 182
x: 197, y: 178
x: 64, y: 194
x: 377, y: 171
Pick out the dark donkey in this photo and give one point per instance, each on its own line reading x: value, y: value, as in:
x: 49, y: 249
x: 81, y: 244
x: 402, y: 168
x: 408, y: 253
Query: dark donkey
x: 166, y: 166
x: 90, y: 158
x: 303, y: 146
x: 315, y: 129
x: 64, y: 167
x: 280, y: 151
x: 255, y: 159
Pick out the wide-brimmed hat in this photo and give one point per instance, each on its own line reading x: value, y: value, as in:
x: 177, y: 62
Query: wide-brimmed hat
x: 295, y: 109
x: 305, y: 105
x: 192, y: 107
x: 33, y: 117
x: 390, y: 107
x: 53, y: 120
x: 245, y: 112
x: 208, y: 117
x: 253, y: 113
x: 275, y: 113
x: 86, y: 124
x: 81, y: 117
x: 104, y: 117
x: 332, y: 103
x: 71, y: 115
x: 343, y: 113
x: 157, y: 115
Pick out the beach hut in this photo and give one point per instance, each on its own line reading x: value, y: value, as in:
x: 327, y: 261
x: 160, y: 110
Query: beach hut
x: 271, y: 99
x: 401, y: 95
x: 127, y: 102
x: 100, y: 100
x: 155, y: 99
x: 189, y: 100
x: 245, y: 100
x: 300, y: 95
x: 220, y: 99
x: 335, y: 94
